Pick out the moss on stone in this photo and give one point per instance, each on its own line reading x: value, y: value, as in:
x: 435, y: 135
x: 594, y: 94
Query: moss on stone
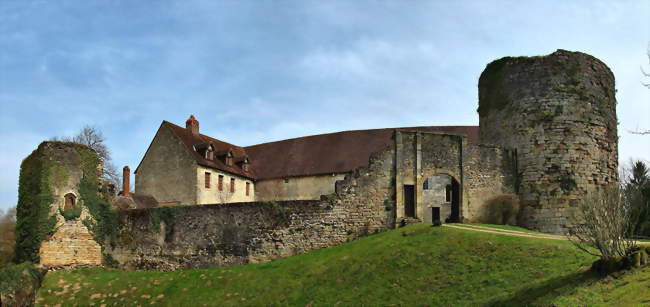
x: 33, y: 222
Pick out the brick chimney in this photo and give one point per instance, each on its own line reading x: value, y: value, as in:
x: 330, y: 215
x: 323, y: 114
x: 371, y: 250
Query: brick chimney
x: 192, y: 124
x: 126, y: 181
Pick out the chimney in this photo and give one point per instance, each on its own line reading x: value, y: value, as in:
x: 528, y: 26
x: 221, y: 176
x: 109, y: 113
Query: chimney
x: 126, y: 180
x: 192, y: 124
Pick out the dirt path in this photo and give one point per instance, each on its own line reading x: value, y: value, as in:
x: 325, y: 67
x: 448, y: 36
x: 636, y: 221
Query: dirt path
x: 514, y: 233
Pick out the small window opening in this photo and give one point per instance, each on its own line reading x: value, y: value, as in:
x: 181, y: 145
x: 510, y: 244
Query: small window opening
x: 286, y: 180
x: 70, y: 202
x: 207, y: 180
x: 232, y: 185
x: 248, y: 187
x: 220, y: 183
x: 448, y: 192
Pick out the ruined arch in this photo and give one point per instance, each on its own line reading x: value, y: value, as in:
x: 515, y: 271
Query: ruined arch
x: 69, y: 202
x: 440, y: 198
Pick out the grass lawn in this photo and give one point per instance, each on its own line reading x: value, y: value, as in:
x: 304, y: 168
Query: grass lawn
x: 414, y: 265
x: 630, y: 289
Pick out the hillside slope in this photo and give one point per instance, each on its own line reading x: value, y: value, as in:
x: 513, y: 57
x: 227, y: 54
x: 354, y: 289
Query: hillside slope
x: 415, y: 265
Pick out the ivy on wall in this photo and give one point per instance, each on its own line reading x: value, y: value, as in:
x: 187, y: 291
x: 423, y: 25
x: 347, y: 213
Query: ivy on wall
x: 33, y: 222
x: 38, y: 173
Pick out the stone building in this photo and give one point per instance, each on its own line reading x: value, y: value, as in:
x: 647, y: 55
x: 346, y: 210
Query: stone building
x: 546, y: 137
x: 547, y: 133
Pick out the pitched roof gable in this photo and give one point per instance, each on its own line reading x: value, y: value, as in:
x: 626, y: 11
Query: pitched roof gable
x: 190, y: 140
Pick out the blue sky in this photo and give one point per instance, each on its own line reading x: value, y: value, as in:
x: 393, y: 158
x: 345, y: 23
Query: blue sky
x: 258, y: 71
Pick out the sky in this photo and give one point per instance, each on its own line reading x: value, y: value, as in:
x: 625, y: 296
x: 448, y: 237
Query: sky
x: 260, y: 71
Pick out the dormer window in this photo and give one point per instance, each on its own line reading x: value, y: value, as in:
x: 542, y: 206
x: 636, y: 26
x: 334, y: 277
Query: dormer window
x: 243, y: 162
x: 206, y: 150
x: 229, y: 159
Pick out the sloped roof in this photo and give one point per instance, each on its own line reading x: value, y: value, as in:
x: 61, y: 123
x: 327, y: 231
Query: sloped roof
x: 321, y: 154
x: 333, y: 152
x: 189, y: 140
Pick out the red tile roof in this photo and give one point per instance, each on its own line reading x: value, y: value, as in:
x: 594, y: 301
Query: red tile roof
x: 321, y: 154
x: 331, y: 153
x: 190, y: 139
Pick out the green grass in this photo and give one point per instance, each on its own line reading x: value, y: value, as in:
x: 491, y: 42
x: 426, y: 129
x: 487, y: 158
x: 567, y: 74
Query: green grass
x: 415, y: 265
x: 629, y: 289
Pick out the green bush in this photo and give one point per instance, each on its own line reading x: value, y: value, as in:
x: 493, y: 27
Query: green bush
x: 14, y: 276
x: 71, y: 214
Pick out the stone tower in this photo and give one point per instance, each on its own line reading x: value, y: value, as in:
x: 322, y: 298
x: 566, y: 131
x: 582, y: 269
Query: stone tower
x: 559, y: 113
x: 58, y: 187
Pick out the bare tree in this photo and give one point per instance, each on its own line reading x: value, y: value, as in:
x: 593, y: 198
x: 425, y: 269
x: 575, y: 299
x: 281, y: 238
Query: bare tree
x: 604, y: 224
x: 94, y: 138
x: 647, y: 75
x: 7, y: 235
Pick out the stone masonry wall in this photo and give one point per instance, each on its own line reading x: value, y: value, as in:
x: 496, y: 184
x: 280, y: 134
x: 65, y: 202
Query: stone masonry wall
x: 489, y: 172
x: 240, y: 233
x: 559, y: 113
x: 71, y: 245
x: 168, y: 172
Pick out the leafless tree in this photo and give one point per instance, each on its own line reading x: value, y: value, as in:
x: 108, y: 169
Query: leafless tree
x: 647, y: 75
x: 7, y: 235
x: 604, y: 224
x: 94, y: 138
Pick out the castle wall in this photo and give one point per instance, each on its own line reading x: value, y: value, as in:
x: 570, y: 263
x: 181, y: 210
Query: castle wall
x: 559, y: 113
x: 71, y: 245
x: 167, y: 172
x: 419, y: 156
x: 58, y: 169
x: 239, y: 233
x: 489, y: 172
x: 213, y: 195
x: 296, y: 188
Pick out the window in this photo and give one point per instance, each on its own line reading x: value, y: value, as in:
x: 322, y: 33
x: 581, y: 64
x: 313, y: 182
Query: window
x: 245, y: 166
x: 232, y: 185
x: 286, y: 180
x: 248, y: 187
x: 229, y: 160
x: 220, y: 183
x: 448, y: 192
x: 70, y: 202
x: 207, y: 180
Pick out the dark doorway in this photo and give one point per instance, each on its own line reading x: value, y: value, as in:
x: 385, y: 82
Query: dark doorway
x: 435, y: 214
x: 455, y: 201
x: 409, y: 200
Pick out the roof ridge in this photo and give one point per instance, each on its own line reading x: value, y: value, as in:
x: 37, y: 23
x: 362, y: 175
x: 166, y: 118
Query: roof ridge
x: 357, y: 130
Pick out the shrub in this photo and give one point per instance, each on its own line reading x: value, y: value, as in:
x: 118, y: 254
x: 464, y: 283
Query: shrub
x: 18, y: 284
x: 71, y: 214
x: 603, y: 227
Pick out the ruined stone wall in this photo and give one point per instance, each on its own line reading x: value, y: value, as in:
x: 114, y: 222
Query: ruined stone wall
x: 71, y: 245
x: 489, y: 171
x: 420, y: 155
x: 296, y: 188
x: 50, y: 230
x: 167, y: 171
x: 559, y: 113
x: 238, y: 233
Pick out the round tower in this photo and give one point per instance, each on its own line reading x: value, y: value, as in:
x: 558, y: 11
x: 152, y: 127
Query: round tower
x: 559, y: 113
